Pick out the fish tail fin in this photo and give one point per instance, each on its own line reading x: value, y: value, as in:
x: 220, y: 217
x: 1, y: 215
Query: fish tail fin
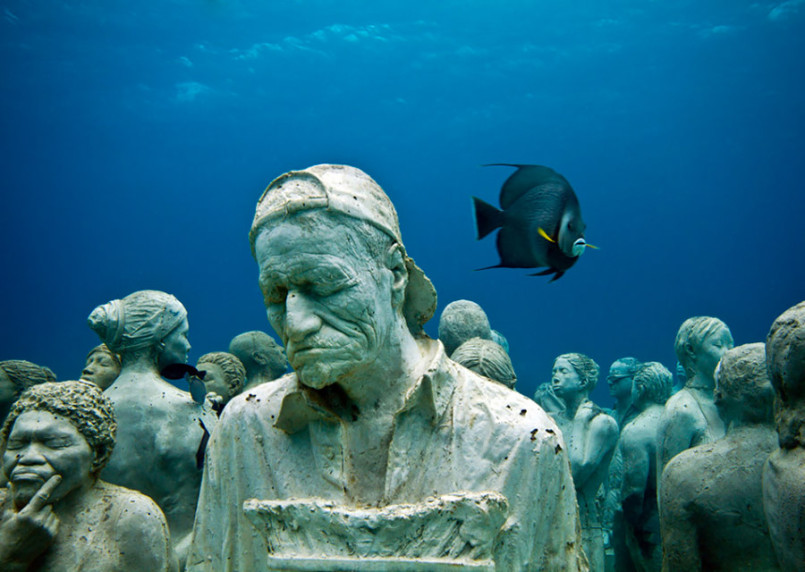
x: 487, y: 217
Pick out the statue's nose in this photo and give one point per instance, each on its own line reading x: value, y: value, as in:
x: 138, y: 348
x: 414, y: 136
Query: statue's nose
x: 300, y: 316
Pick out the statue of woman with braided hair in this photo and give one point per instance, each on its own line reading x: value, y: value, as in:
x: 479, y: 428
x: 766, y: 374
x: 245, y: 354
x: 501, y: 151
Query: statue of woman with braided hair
x: 162, y: 431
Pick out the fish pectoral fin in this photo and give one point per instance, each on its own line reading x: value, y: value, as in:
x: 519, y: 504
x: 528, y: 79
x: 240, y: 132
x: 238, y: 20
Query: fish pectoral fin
x: 544, y: 235
x: 544, y: 272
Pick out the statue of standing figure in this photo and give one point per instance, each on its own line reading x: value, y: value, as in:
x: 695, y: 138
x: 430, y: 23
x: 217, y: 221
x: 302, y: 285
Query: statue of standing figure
x: 376, y: 434
x: 690, y: 417
x: 56, y: 514
x: 263, y: 358
x: 591, y: 436
x: 711, y: 500
x: 638, y: 450
x: 784, y: 473
x: 161, y: 430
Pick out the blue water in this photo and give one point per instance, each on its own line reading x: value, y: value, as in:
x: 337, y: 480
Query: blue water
x: 135, y: 139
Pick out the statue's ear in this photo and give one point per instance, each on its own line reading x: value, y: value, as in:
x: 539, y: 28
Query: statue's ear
x: 395, y: 261
x: 259, y: 358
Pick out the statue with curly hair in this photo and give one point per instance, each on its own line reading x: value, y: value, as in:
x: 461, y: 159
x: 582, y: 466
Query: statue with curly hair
x: 163, y: 431
x: 224, y: 375
x: 590, y: 436
x: 56, y: 514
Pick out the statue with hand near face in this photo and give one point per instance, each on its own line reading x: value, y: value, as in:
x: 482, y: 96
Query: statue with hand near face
x: 56, y: 514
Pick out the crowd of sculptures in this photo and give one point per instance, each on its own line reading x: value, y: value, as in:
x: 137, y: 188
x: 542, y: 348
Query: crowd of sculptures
x: 384, y: 449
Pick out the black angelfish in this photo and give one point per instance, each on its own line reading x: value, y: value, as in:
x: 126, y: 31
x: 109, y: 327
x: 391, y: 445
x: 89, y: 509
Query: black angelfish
x: 540, y: 222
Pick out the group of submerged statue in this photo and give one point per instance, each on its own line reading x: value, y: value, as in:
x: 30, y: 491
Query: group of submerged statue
x: 385, y: 450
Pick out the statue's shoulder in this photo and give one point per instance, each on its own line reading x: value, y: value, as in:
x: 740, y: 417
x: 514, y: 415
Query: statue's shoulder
x: 261, y: 399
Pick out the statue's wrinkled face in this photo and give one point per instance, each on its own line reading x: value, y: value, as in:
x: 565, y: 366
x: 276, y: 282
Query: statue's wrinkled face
x: 620, y: 381
x: 42, y: 444
x: 100, y: 369
x: 177, y: 347
x: 565, y: 379
x: 326, y: 297
x: 709, y: 353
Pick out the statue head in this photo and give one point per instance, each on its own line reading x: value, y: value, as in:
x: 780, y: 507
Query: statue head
x: 262, y: 357
x: 462, y: 320
x: 487, y: 358
x: 652, y: 385
x: 224, y: 374
x: 101, y: 367
x: 147, y: 320
x: 17, y: 375
x: 500, y: 340
x: 621, y: 376
x: 743, y: 391
x: 785, y: 358
x: 65, y: 428
x: 699, y: 345
x: 335, y: 275
x: 574, y: 374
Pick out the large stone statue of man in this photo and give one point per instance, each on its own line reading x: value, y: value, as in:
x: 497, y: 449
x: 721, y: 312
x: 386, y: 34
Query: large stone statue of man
x: 711, y: 500
x: 784, y: 473
x: 375, y: 415
x: 591, y: 436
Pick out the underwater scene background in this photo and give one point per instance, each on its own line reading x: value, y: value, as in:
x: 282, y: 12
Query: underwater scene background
x: 135, y: 140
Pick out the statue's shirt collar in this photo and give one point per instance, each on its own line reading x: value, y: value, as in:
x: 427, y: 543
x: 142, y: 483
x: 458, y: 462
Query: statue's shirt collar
x: 429, y: 395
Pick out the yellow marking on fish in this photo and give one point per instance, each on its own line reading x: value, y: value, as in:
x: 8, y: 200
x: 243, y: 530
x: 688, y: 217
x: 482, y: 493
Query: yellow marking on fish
x: 544, y: 235
x: 592, y: 246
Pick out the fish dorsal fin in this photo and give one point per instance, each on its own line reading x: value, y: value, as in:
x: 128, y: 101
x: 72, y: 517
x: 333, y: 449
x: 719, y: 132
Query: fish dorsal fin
x: 525, y: 178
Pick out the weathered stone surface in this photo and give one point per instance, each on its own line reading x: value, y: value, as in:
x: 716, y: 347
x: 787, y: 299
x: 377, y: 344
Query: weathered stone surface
x: 462, y: 320
x: 711, y: 500
x: 263, y: 358
x: 457, y: 529
x: 488, y: 359
x: 784, y: 473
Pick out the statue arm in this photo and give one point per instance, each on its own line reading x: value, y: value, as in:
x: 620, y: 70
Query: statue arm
x: 636, y: 470
x: 680, y: 544
x: 676, y: 434
x: 599, y: 442
x: 143, y: 537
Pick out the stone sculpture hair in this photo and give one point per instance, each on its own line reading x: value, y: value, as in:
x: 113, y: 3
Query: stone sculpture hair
x: 138, y: 321
x: 785, y: 359
x: 743, y: 386
x: 585, y: 366
x: 655, y: 382
x: 692, y: 334
x: 82, y: 403
x: 487, y: 358
x: 249, y: 345
x: 234, y: 372
x: 24, y: 374
x: 462, y: 320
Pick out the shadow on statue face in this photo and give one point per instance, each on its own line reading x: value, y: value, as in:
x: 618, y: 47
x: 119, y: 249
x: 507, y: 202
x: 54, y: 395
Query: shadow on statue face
x: 42, y: 444
x: 326, y: 297
x: 714, y: 346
